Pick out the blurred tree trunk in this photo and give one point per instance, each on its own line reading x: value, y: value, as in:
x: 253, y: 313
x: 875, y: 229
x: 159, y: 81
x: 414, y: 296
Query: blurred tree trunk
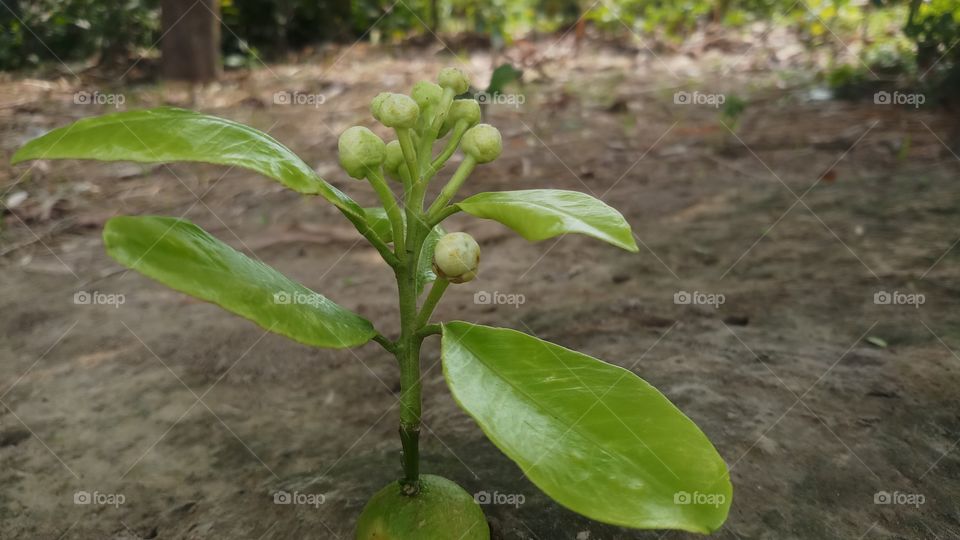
x: 191, y: 40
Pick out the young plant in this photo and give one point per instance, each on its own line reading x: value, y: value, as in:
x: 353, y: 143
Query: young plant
x: 593, y: 436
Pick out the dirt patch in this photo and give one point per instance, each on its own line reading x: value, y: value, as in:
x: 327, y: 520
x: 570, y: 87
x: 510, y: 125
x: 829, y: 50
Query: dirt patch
x: 196, y: 417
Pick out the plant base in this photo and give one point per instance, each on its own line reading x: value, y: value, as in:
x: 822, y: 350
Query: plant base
x: 442, y: 509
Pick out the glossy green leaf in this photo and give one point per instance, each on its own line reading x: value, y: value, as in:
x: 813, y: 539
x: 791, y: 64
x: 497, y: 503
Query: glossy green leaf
x: 184, y: 257
x: 168, y: 134
x: 593, y: 436
x: 538, y: 214
x: 425, y: 273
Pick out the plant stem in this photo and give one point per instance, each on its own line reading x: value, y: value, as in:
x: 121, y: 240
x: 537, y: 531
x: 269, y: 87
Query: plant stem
x: 364, y: 229
x: 436, y: 292
x: 430, y: 330
x: 408, y: 345
x: 458, y: 130
x: 449, y: 190
x: 409, y: 150
x: 408, y: 356
x: 385, y: 343
x: 434, y: 220
x: 393, y: 210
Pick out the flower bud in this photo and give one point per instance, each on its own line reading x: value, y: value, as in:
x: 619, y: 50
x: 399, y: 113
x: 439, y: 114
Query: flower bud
x: 426, y: 94
x: 456, y: 257
x: 394, y: 159
x: 360, y: 151
x: 482, y: 142
x: 395, y: 110
x: 377, y: 103
x: 454, y: 79
x: 462, y: 109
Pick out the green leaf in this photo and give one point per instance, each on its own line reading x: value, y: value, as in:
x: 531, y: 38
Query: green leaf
x: 425, y: 273
x: 593, y: 436
x: 538, y: 214
x: 184, y: 257
x: 168, y: 134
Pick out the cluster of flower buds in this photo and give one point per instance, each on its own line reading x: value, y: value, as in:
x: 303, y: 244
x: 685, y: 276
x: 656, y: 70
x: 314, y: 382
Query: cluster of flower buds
x: 430, y: 112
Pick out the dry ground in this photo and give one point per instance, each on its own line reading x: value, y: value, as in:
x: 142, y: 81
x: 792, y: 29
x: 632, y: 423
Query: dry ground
x: 798, y: 214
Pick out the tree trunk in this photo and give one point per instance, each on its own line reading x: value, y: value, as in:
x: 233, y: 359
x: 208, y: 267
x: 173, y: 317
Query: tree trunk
x: 191, y: 40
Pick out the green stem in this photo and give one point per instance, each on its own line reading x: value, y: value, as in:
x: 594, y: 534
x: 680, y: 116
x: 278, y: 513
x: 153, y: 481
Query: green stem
x: 364, y: 229
x: 458, y: 130
x: 405, y: 136
x: 436, y: 292
x: 388, y: 345
x: 390, y: 205
x: 408, y: 348
x: 449, y: 190
x: 434, y: 220
x: 430, y: 330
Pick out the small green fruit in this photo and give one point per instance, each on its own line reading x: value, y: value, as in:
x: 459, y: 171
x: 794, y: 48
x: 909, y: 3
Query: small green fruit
x: 466, y: 110
x: 441, y: 510
x: 454, y: 79
x: 483, y: 143
x: 396, y: 111
x: 361, y: 150
x: 456, y: 257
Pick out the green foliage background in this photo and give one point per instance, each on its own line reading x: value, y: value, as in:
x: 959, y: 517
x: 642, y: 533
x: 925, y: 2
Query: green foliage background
x: 903, y: 36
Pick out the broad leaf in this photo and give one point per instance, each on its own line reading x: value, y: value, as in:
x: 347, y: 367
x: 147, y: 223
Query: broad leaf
x: 593, y: 436
x: 538, y: 214
x: 168, y: 134
x: 184, y: 257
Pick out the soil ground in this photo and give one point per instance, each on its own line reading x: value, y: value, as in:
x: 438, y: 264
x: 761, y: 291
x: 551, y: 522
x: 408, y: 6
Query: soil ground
x: 798, y: 212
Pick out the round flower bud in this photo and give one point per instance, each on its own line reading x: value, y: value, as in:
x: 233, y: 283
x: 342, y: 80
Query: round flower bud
x: 454, y: 79
x: 456, y: 257
x: 377, y: 103
x: 396, y: 111
x: 467, y: 110
x: 482, y: 142
x: 394, y: 159
x: 426, y: 94
x: 360, y: 151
